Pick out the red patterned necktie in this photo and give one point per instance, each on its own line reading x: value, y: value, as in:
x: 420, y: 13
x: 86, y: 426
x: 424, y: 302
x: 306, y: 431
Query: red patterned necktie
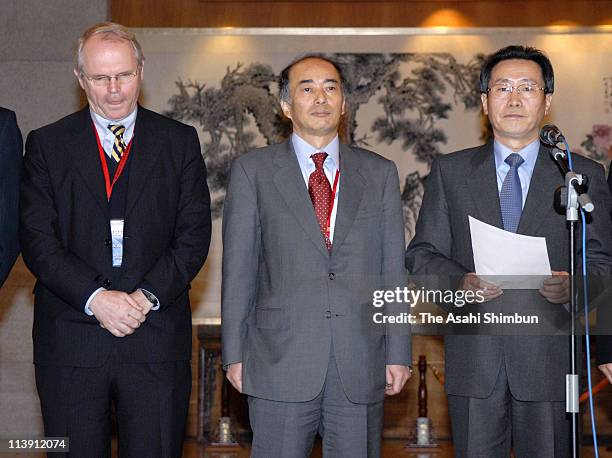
x: 321, y: 195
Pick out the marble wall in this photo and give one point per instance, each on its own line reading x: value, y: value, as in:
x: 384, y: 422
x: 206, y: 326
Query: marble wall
x: 37, y: 38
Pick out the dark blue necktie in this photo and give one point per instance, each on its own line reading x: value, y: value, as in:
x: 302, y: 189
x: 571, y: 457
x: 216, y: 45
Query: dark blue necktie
x: 511, y: 196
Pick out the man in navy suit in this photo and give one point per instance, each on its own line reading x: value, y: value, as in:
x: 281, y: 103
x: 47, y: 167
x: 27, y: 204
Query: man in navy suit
x: 11, y: 148
x: 115, y: 223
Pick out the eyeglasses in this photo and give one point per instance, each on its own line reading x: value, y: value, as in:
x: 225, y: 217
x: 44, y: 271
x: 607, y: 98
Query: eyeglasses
x: 105, y: 80
x: 527, y: 90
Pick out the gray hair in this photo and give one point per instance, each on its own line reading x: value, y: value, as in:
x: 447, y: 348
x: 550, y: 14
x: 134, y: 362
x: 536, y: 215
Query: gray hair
x: 108, y: 31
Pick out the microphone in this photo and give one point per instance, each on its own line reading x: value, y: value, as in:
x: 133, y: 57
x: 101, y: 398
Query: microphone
x: 551, y: 135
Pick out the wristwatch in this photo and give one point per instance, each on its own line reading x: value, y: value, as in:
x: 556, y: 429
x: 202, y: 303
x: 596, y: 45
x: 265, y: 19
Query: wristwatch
x: 150, y: 297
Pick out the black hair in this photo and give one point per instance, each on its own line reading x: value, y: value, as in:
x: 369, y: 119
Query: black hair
x: 518, y: 52
x: 283, y: 83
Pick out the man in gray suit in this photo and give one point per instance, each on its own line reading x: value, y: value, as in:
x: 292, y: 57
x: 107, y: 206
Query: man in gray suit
x: 310, y: 228
x: 604, y: 342
x: 507, y: 390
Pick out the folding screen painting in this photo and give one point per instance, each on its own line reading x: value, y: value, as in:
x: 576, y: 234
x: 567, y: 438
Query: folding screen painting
x: 412, y: 95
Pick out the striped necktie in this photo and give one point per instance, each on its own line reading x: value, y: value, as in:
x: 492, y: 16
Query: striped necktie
x: 119, y: 145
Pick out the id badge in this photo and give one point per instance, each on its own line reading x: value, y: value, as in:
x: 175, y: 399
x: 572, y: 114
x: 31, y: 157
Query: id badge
x: 117, y: 238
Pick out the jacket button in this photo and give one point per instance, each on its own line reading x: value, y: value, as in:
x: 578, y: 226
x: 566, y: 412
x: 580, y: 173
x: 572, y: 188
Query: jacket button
x: 328, y: 314
x: 106, y: 283
x: 332, y: 275
x: 108, y: 242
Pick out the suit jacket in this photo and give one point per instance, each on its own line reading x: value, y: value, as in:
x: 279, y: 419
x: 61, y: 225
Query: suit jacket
x: 65, y: 237
x: 604, y: 342
x: 11, y: 151
x: 285, y: 298
x: 464, y: 183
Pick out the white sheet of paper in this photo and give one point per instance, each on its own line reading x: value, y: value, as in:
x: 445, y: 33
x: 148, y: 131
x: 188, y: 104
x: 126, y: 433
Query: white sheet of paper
x: 502, y: 253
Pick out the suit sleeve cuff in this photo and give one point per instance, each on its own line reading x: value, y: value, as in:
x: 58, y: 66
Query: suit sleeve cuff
x: 604, y: 349
x: 86, y: 308
x: 155, y: 302
x: 227, y: 365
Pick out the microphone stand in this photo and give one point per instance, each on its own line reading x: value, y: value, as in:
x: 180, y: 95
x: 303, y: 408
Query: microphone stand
x: 572, y: 201
x: 571, y: 380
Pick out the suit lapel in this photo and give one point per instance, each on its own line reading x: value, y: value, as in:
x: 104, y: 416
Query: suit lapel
x: 289, y: 181
x: 145, y: 152
x: 83, y: 147
x: 351, y: 187
x: 482, y: 183
x: 540, y: 195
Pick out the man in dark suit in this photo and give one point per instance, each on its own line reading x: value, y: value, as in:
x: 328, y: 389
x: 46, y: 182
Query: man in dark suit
x: 11, y: 150
x: 604, y: 342
x: 115, y: 216
x: 507, y: 390
x: 310, y: 228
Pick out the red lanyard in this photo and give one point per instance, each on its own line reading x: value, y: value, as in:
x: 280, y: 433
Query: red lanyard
x: 120, y: 167
x: 331, y: 208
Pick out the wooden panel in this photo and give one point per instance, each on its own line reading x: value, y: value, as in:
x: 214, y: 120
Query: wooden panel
x: 495, y: 13
x: 400, y: 411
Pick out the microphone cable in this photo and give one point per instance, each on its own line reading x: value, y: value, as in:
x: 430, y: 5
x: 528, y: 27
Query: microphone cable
x: 586, y: 312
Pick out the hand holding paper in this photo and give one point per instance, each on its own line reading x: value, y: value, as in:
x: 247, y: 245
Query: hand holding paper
x: 520, y: 261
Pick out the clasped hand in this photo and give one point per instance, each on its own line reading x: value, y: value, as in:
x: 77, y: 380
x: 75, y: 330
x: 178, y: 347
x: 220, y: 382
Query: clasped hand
x: 120, y: 313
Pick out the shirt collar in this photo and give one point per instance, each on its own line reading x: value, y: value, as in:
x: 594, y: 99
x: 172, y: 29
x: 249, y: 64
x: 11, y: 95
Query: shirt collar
x: 529, y: 153
x: 304, y: 150
x: 102, y: 123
